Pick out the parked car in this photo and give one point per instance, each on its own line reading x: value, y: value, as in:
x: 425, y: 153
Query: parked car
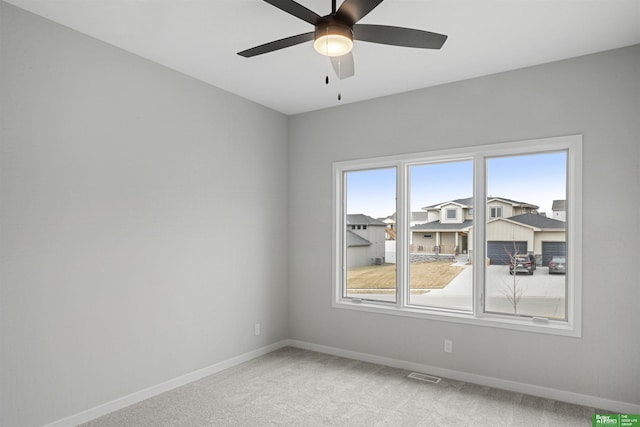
x: 532, y: 259
x: 521, y: 264
x: 558, y: 264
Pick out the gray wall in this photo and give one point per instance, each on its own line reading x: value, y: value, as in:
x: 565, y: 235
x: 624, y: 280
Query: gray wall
x: 597, y: 96
x: 129, y: 194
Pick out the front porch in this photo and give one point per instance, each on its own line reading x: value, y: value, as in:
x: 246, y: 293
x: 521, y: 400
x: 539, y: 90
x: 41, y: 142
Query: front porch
x: 439, y: 242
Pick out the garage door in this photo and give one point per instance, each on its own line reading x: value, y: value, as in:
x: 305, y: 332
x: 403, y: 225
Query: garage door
x: 498, y: 252
x: 551, y: 249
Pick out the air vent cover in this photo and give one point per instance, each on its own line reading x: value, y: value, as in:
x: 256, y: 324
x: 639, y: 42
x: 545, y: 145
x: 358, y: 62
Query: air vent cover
x: 424, y: 377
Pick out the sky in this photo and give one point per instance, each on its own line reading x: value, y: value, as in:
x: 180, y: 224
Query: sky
x: 538, y: 179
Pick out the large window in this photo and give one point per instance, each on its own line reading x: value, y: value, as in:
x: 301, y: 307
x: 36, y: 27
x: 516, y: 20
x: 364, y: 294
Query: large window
x: 419, y: 250
x: 438, y: 266
x: 528, y: 185
x: 369, y: 255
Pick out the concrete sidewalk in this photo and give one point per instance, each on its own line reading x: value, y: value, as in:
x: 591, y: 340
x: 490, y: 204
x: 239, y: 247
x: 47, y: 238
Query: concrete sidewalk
x: 543, y: 294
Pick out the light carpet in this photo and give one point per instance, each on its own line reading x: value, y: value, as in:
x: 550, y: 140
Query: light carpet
x: 295, y: 387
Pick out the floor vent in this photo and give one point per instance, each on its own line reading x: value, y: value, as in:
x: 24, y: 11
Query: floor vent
x: 424, y: 377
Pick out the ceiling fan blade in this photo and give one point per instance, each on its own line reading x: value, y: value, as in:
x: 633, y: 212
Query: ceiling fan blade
x: 354, y: 10
x: 296, y: 9
x: 277, y: 45
x: 343, y: 65
x: 398, y: 36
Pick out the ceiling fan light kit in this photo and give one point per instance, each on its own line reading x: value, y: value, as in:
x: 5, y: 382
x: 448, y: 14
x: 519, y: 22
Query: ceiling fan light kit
x: 333, y: 39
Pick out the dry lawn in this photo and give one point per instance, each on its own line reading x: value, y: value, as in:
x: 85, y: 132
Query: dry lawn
x: 382, y: 278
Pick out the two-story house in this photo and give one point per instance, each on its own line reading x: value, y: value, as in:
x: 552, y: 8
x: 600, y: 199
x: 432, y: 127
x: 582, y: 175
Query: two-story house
x: 511, y: 226
x: 365, y: 238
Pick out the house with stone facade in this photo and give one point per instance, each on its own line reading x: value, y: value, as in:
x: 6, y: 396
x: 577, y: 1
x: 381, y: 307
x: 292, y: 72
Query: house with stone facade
x: 511, y: 226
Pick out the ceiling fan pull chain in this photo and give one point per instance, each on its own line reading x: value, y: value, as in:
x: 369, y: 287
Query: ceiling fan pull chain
x: 326, y: 79
x: 339, y: 78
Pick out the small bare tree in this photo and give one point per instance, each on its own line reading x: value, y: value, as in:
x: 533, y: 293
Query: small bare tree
x: 513, y: 291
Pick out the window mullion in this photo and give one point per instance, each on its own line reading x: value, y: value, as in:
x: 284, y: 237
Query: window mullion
x: 402, y: 247
x: 479, y: 223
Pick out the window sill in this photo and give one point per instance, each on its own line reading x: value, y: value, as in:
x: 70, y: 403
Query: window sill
x: 519, y: 323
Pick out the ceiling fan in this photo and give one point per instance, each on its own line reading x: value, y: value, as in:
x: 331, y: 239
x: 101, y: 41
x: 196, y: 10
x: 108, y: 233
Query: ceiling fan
x: 334, y: 33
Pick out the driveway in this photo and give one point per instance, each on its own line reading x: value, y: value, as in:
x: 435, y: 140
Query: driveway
x: 543, y: 294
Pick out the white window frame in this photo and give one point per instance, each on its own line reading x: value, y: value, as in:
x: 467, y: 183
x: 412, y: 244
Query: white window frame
x: 455, y: 213
x: 572, y: 326
x: 497, y: 210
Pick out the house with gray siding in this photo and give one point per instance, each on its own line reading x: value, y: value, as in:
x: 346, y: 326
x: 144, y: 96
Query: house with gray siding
x: 511, y: 226
x: 365, y: 238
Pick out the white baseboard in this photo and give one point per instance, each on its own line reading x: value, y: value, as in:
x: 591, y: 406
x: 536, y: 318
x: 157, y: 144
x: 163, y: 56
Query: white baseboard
x: 534, y: 390
x: 114, y: 405
x: 560, y: 395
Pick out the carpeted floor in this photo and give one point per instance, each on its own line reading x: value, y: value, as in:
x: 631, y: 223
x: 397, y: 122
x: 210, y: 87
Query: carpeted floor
x: 294, y: 387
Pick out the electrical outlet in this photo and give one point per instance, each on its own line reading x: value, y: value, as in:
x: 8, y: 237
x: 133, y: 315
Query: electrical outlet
x: 256, y: 329
x: 448, y: 346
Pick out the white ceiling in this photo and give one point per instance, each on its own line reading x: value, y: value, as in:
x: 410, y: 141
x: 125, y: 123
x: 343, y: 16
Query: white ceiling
x: 201, y: 38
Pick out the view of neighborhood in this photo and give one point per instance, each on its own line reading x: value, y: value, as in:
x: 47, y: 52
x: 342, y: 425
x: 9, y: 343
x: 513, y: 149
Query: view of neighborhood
x: 440, y: 246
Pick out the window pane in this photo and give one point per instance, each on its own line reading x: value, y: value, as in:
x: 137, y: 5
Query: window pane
x: 440, y: 235
x: 369, y: 239
x: 526, y: 238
